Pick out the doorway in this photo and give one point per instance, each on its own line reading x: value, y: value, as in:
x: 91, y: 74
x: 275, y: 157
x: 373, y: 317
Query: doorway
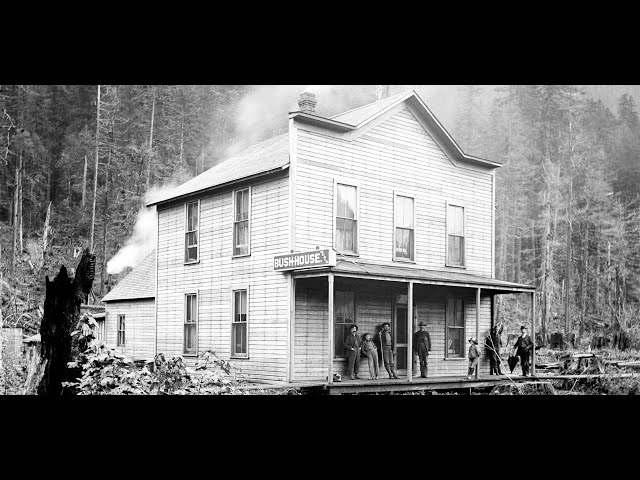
x: 400, y: 332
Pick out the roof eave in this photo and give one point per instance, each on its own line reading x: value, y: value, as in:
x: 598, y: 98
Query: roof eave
x: 216, y: 187
x: 123, y: 299
x: 321, y: 121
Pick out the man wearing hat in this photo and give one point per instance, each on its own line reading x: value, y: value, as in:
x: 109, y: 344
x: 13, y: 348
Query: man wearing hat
x: 422, y: 345
x: 385, y: 340
x: 522, y: 348
x: 474, y: 356
x: 352, y: 345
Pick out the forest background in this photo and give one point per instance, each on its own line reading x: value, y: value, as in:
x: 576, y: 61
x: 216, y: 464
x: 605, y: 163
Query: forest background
x: 79, y: 162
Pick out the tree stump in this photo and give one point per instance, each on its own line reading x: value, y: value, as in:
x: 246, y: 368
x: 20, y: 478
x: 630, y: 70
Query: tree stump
x: 61, y: 313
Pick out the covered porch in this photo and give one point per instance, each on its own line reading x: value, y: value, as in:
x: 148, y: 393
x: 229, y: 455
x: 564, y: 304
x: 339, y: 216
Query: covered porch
x: 454, y: 305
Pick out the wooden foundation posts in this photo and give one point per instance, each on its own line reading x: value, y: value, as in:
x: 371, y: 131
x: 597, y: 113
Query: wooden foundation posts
x: 330, y: 321
x: 410, y: 333
x: 478, y: 326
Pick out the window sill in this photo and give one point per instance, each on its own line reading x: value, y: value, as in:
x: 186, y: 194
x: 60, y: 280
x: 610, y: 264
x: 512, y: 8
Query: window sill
x: 348, y: 254
x: 239, y: 358
x: 241, y: 256
x: 464, y: 267
x: 190, y: 355
x: 193, y: 262
x: 404, y: 260
x: 454, y: 359
x: 339, y: 359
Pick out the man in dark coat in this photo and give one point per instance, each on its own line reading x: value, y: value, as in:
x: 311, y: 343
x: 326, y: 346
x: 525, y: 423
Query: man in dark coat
x: 493, y: 342
x: 352, y: 345
x: 523, y: 347
x: 385, y: 340
x: 422, y: 345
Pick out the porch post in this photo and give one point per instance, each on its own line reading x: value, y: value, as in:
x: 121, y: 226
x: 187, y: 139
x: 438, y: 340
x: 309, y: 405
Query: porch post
x: 331, y: 340
x: 478, y: 326
x: 410, y: 334
x: 533, y: 331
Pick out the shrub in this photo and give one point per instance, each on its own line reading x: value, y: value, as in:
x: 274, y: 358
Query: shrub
x: 106, y: 372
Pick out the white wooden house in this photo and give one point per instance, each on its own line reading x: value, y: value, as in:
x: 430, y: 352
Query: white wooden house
x: 370, y: 216
x: 129, y: 324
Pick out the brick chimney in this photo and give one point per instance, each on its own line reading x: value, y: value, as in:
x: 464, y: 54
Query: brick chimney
x: 307, y: 102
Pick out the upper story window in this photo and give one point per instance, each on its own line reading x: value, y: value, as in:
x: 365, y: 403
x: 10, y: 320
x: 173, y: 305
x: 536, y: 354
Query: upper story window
x: 120, y: 339
x: 404, y: 234
x: 191, y: 232
x: 346, y: 235
x: 455, y: 235
x: 241, y: 218
x: 190, y: 344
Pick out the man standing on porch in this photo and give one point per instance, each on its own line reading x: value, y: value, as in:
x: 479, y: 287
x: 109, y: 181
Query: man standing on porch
x: 352, y: 345
x: 522, y: 348
x: 422, y: 345
x: 386, y: 345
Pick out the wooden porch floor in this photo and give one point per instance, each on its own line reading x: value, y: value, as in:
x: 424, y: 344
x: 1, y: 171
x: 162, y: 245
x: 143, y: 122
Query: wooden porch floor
x: 401, y: 384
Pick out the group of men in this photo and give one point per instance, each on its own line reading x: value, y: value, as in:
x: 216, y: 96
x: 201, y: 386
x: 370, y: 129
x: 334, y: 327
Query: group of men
x: 353, y: 346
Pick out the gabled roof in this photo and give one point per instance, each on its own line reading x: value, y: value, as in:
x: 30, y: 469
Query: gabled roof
x: 358, y: 115
x: 138, y: 284
x: 266, y: 156
x: 273, y: 154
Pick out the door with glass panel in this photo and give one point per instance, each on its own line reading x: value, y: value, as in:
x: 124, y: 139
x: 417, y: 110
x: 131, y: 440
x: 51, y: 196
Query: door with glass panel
x: 400, y: 333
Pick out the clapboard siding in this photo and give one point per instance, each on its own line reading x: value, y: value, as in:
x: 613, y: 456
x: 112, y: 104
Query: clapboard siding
x: 396, y: 154
x: 217, y: 274
x: 374, y: 305
x: 139, y: 324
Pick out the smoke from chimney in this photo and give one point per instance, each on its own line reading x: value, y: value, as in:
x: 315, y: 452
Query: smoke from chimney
x: 143, y: 238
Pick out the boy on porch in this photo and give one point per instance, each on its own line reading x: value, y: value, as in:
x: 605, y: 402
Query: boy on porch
x: 474, y: 355
x: 371, y: 351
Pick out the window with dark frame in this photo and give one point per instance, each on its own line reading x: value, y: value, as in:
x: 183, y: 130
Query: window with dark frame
x: 241, y: 222
x: 455, y: 235
x: 239, y: 324
x: 191, y: 233
x: 121, y: 328
x: 455, y: 323
x: 190, y: 324
x: 404, y: 228
x: 344, y: 316
x: 346, y: 218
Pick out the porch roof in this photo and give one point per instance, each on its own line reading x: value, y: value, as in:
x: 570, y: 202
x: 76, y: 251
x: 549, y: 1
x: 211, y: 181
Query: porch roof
x: 372, y: 271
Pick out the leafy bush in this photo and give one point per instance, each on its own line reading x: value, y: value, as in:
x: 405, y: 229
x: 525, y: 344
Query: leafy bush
x: 106, y: 372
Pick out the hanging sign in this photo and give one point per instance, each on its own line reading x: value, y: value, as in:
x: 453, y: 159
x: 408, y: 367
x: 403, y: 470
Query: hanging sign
x: 311, y: 259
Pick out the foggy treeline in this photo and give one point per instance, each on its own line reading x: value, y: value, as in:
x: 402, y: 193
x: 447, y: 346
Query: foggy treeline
x: 567, y: 195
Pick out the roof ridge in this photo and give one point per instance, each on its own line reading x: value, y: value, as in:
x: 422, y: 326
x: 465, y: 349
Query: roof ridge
x: 372, y: 103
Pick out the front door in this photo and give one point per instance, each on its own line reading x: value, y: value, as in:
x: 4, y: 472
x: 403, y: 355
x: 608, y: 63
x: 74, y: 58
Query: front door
x: 400, y: 333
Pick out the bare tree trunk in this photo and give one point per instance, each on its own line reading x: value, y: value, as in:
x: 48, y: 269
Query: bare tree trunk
x: 45, y: 235
x: 150, y: 161
x: 597, y: 303
x: 16, y: 223
x: 104, y: 224
x: 585, y: 272
x: 517, y: 256
x: 84, y: 186
x: 567, y: 308
x: 95, y: 174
